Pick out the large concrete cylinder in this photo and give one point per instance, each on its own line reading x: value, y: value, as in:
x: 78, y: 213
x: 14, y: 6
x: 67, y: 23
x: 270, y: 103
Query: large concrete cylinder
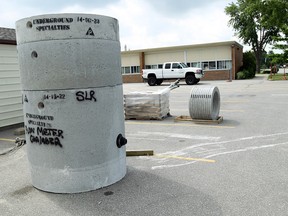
x: 73, y: 101
x: 204, y: 102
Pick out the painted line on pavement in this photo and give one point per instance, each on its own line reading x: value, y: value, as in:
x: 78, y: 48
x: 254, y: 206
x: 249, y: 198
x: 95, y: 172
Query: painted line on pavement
x: 186, y: 158
x: 9, y: 140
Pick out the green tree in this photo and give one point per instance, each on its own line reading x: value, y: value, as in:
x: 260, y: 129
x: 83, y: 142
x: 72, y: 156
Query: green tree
x: 248, y: 68
x: 282, y: 45
x: 258, y: 23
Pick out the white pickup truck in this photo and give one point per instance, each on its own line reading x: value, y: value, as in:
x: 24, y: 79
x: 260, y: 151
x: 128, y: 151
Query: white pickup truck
x: 173, y: 70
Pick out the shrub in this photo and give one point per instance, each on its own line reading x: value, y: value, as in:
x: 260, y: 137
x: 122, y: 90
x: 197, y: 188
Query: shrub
x: 248, y: 70
x: 241, y: 75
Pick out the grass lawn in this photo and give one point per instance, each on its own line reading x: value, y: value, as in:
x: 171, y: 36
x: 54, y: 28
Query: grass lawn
x: 277, y: 77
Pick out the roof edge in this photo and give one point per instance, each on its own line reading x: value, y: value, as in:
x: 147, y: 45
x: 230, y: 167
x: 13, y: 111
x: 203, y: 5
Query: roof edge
x: 185, y: 46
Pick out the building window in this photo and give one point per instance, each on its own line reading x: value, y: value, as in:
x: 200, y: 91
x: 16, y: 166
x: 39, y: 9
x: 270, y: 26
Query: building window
x: 151, y: 66
x: 131, y: 69
x: 226, y: 64
x: 127, y: 70
x: 195, y: 64
x: 212, y: 65
x: 135, y: 69
x: 205, y: 65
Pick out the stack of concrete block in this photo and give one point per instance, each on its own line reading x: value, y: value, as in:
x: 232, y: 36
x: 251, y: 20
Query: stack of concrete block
x: 147, y: 105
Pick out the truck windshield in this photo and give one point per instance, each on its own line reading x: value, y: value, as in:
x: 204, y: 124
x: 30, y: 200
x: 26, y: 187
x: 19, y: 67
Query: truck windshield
x: 183, y: 65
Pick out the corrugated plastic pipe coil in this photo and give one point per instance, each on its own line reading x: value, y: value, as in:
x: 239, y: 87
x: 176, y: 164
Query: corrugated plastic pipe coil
x: 204, y: 102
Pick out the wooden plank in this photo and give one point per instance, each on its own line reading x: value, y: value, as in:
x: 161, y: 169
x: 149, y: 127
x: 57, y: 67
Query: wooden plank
x: 147, y: 117
x: 130, y: 153
x: 143, y: 118
x: 199, y: 121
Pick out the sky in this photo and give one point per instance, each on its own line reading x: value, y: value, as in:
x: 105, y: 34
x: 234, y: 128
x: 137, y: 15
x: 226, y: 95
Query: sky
x: 143, y: 24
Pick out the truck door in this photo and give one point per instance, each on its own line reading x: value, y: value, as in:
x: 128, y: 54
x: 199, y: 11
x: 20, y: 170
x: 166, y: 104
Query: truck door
x: 171, y: 70
x: 167, y: 70
x: 176, y: 71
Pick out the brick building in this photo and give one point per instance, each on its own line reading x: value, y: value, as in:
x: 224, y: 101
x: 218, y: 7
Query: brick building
x: 219, y: 60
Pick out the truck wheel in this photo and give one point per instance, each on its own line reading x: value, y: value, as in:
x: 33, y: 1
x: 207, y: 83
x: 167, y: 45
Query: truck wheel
x: 159, y: 81
x: 190, y: 79
x: 152, y: 81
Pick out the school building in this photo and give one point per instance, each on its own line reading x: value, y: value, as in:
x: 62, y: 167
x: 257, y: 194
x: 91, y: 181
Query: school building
x: 218, y: 60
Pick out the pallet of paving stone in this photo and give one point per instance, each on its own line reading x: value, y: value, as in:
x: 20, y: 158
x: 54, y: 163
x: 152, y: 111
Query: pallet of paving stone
x: 146, y: 105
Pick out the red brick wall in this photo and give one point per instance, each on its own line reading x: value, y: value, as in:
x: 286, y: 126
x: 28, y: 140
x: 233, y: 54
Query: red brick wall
x: 132, y: 78
x: 238, y: 59
x: 216, y: 75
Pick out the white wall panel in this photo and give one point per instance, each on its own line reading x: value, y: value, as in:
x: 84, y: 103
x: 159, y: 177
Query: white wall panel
x: 10, y: 87
x: 130, y: 60
x: 161, y: 57
x: 209, y: 53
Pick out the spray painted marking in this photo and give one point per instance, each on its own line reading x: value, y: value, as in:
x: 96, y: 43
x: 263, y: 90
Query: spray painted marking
x: 90, y: 32
x: 141, y: 138
x: 179, y: 125
x: 181, y: 136
x: 53, y: 96
x: 221, y: 143
x: 26, y: 99
x: 86, y: 96
x: 186, y: 158
x: 251, y: 148
x: 162, y: 136
x: 52, y: 24
x: 88, y: 20
x: 210, y: 150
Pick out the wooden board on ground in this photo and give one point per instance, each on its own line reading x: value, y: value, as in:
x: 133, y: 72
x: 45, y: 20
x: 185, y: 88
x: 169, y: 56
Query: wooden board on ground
x: 199, y: 121
x: 139, y: 153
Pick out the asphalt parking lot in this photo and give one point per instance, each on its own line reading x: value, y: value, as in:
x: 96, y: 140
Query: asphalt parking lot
x: 237, y: 167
